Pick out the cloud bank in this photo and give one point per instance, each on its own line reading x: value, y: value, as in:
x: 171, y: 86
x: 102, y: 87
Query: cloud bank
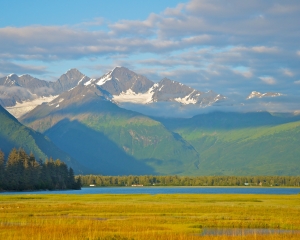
x: 227, y: 46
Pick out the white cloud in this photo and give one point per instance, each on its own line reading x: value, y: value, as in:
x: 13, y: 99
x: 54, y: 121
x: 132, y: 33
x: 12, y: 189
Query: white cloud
x: 246, y: 74
x: 268, y: 80
x: 264, y: 49
x: 287, y: 72
x: 10, y: 67
x: 280, y: 8
x: 297, y: 82
x: 176, y: 11
x: 215, y: 23
x: 135, y: 27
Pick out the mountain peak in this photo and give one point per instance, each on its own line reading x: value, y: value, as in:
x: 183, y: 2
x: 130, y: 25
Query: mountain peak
x: 119, y: 68
x: 72, y: 71
x: 72, y: 75
x: 69, y: 80
x: 117, y: 71
x: 165, y: 79
x: 13, y: 76
x: 169, y: 81
x: 121, y: 79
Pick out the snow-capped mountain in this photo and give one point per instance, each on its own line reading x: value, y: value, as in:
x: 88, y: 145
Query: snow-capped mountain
x: 121, y: 79
x: 15, y: 89
x: 171, y: 91
x: 69, y: 80
x: 255, y: 94
x: 79, y: 94
x: 126, y: 86
x: 20, y: 94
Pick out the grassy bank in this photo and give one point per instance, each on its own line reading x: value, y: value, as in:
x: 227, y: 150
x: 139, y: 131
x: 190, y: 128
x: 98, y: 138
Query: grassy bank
x: 178, y: 216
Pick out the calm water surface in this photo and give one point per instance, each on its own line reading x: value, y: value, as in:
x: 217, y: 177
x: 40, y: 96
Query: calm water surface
x: 169, y: 190
x: 244, y: 231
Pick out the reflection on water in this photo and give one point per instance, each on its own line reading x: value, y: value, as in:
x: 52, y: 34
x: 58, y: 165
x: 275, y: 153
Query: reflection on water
x: 244, y: 231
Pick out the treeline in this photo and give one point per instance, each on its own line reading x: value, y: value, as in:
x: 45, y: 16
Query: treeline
x: 23, y: 172
x: 99, y: 180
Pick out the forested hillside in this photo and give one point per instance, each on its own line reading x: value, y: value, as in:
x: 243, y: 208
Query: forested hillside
x: 13, y: 134
x: 242, y: 143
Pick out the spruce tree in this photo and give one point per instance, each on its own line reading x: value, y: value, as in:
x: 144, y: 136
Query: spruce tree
x: 13, y: 169
x: 2, y: 170
x: 46, y: 175
x: 24, y: 181
x: 71, y: 179
x: 62, y: 174
x: 35, y: 171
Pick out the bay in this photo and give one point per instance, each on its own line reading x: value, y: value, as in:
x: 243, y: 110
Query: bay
x: 168, y: 190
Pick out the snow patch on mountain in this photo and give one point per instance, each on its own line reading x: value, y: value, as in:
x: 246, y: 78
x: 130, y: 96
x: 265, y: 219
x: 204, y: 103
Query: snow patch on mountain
x: 255, y: 94
x: 104, y: 79
x: 132, y: 97
x: 107, y: 77
x: 81, y: 80
x: 21, y: 108
x: 187, y: 99
x: 89, y: 82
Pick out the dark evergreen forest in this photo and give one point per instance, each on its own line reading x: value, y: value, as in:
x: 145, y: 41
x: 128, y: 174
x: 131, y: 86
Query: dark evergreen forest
x: 99, y: 180
x: 21, y: 171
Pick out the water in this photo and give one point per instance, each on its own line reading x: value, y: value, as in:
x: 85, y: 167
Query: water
x: 168, y: 190
x: 244, y: 231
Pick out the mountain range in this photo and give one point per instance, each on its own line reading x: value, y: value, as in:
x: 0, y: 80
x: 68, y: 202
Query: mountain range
x: 91, y: 128
x: 20, y: 94
x: 85, y: 119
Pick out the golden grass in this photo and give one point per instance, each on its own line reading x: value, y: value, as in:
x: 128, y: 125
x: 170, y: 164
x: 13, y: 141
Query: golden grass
x: 142, y: 216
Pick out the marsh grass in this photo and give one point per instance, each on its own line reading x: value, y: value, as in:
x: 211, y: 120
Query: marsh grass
x: 142, y: 216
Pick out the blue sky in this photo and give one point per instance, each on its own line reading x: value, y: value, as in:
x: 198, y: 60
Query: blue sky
x: 230, y: 47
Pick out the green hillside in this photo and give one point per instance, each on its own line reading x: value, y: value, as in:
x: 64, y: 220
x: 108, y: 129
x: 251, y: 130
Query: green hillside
x: 15, y: 135
x: 112, y: 140
x: 242, y: 144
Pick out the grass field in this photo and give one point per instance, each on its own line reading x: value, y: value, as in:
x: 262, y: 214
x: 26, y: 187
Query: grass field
x: 122, y: 217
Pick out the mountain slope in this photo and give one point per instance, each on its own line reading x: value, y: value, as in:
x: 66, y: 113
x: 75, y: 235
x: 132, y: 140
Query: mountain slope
x: 15, y: 135
x: 171, y: 91
x: 242, y: 144
x: 84, y: 123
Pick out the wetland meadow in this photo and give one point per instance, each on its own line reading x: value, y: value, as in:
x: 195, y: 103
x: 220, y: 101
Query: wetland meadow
x: 149, y: 216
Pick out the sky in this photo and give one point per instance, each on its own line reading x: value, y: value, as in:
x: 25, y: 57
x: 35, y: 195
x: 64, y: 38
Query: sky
x: 228, y: 46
